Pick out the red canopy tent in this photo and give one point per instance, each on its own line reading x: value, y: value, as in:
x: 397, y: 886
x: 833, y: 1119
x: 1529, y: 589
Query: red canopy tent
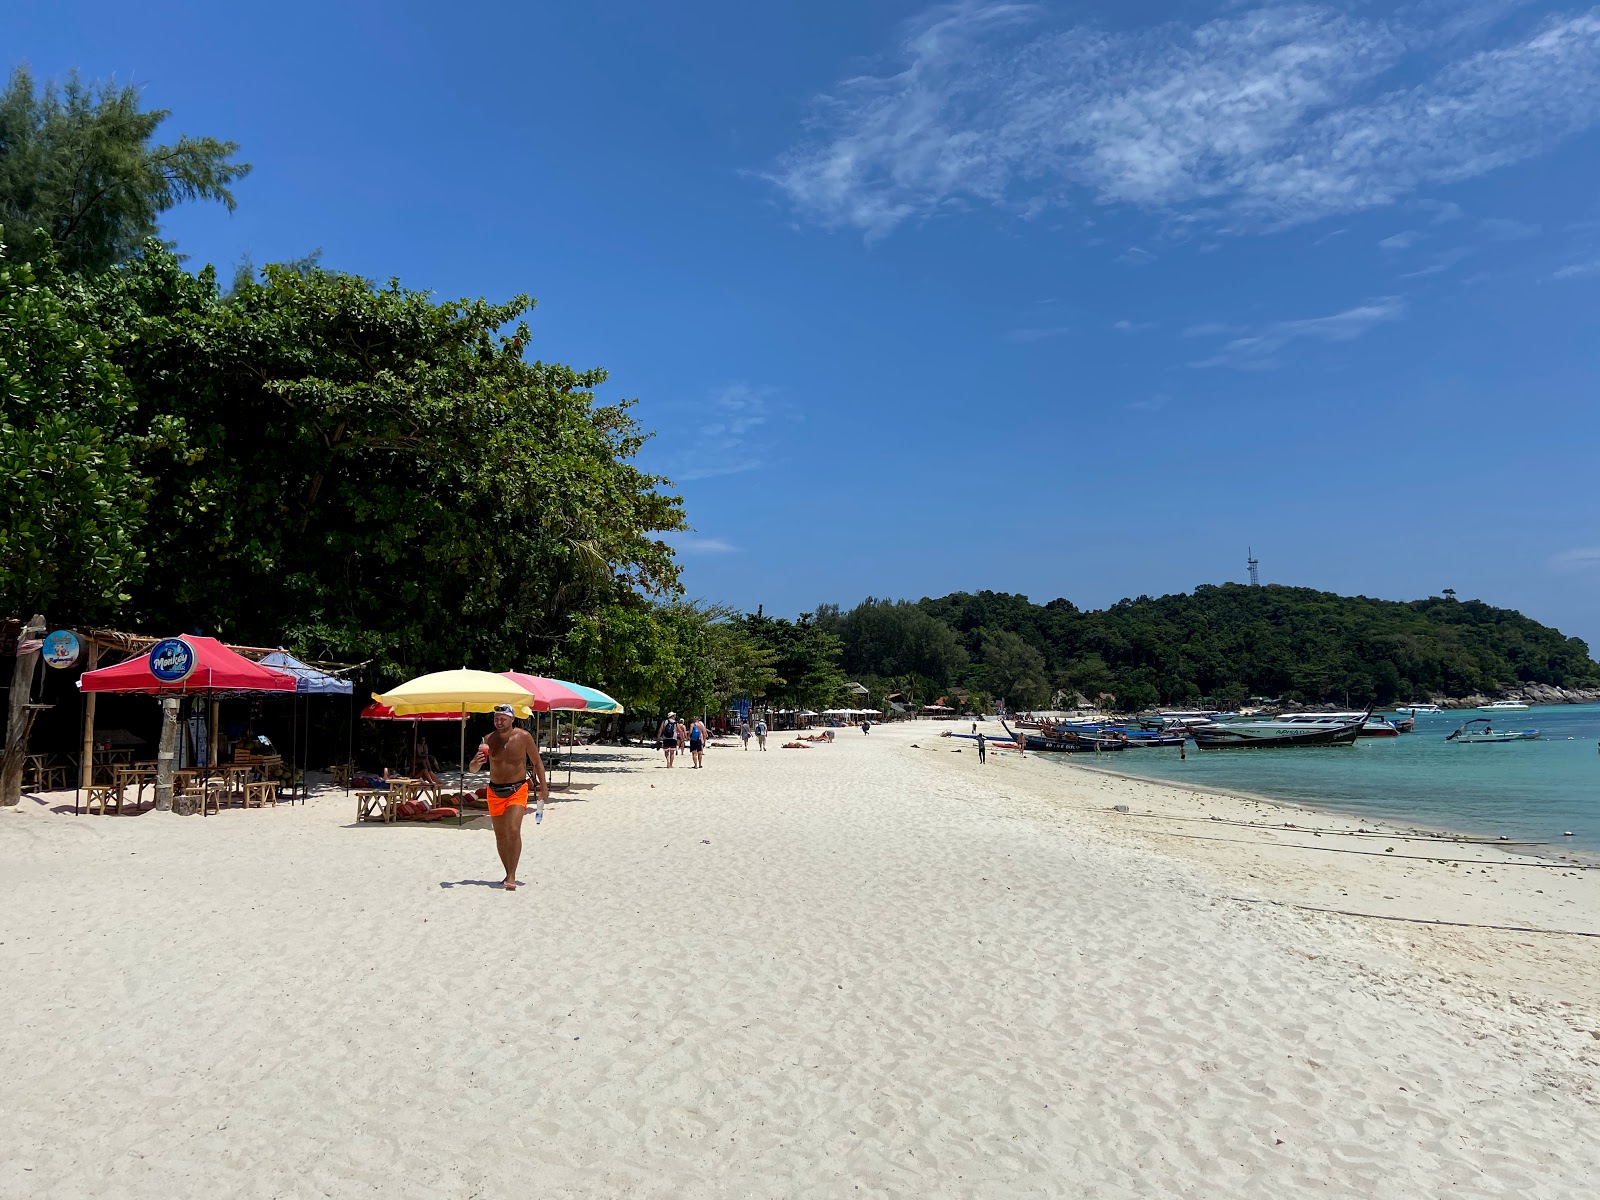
x: 216, y: 669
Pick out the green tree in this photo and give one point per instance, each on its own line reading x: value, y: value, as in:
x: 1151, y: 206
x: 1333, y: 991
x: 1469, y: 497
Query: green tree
x: 805, y: 658
x: 70, y: 527
x: 79, y: 172
x: 887, y: 638
x: 374, y: 475
x: 1016, y: 670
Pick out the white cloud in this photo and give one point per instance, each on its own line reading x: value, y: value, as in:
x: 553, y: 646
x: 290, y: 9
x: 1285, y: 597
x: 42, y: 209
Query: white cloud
x: 725, y: 435
x: 1261, y: 118
x: 1440, y: 262
x: 1403, y: 240
x: 1255, y: 351
x: 1579, y: 270
x: 703, y: 545
x: 1132, y: 327
x: 1037, y: 335
x: 1584, y: 558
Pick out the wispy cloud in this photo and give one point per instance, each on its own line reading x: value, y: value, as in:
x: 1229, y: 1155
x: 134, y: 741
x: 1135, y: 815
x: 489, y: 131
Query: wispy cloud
x: 1578, y: 270
x: 703, y: 545
x: 1132, y: 327
x: 724, y: 435
x: 1503, y: 229
x: 1441, y: 262
x: 1584, y: 558
x: 1403, y: 240
x: 1038, y: 334
x: 1262, y: 118
x: 1257, y: 350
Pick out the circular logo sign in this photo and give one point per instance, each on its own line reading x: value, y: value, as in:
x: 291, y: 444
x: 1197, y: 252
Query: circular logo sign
x: 61, y: 648
x: 172, y: 660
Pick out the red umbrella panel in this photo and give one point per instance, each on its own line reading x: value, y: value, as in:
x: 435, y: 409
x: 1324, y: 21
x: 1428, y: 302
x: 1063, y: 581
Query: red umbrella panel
x: 382, y: 712
x: 547, y: 693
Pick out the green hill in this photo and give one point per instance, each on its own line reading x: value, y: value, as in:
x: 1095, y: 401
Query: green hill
x: 1222, y: 643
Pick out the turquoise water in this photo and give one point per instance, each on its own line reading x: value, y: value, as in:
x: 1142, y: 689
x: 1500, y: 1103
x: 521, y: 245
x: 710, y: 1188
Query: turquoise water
x: 1534, y: 790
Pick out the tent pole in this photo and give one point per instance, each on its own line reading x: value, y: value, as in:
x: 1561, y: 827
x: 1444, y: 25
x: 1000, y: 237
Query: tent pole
x: 350, y: 742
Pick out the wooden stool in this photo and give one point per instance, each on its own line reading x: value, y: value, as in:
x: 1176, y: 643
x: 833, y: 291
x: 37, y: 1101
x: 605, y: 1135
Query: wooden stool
x: 370, y: 804
x: 258, y: 794
x: 103, y: 794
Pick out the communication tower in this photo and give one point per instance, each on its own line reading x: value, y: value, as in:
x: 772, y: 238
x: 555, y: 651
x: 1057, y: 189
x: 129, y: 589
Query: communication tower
x: 1255, y: 567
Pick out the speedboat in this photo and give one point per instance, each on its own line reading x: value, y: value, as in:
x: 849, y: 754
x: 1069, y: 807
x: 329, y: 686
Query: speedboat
x: 1261, y: 735
x: 1420, y: 710
x: 1502, y: 706
x: 1469, y: 735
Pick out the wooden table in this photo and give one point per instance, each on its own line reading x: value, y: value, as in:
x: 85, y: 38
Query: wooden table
x: 136, y: 777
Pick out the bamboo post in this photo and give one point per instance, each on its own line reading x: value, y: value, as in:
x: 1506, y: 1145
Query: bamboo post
x: 212, y: 713
x: 86, y: 763
x: 169, y: 740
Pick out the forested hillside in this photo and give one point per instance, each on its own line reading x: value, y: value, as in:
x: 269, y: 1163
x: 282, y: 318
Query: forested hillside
x: 1224, y: 643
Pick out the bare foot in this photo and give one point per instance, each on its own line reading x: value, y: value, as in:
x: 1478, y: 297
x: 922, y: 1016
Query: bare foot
x: 509, y: 884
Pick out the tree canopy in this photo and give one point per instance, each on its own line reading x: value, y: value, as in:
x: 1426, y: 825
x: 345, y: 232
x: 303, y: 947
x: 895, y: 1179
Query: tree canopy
x: 79, y: 172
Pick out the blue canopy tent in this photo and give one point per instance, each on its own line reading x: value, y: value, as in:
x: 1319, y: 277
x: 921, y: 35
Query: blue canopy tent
x: 308, y: 681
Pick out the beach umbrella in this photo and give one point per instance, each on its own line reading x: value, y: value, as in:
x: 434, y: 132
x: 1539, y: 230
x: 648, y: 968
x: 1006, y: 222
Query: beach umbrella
x: 548, y: 696
x: 465, y: 691
x: 594, y: 700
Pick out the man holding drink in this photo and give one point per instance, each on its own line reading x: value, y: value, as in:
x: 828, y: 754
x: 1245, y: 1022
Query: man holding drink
x: 508, y: 750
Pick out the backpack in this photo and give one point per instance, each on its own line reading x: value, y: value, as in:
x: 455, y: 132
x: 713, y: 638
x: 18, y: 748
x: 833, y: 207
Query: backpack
x: 669, y: 731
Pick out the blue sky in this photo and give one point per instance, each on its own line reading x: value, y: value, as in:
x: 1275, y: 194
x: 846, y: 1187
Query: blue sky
x: 1061, y: 299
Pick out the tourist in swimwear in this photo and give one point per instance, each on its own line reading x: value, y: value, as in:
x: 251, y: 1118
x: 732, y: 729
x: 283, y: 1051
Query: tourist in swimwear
x: 667, y: 736
x: 509, y: 750
x: 683, y: 736
x: 697, y: 743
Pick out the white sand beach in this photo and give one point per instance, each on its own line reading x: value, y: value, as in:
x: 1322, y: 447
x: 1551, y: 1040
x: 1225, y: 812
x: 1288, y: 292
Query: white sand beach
x: 857, y: 969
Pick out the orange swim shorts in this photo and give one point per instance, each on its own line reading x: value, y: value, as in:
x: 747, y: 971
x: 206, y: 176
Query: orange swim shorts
x: 498, y: 805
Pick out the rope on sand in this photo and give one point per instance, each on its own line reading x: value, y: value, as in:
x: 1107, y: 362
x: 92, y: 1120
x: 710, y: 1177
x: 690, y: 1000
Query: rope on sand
x: 1434, y: 858
x: 1345, y: 912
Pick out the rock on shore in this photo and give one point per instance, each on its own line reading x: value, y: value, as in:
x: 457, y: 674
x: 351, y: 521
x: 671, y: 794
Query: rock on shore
x: 1528, y: 693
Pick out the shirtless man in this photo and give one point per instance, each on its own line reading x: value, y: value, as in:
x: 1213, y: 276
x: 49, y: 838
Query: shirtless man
x: 508, y: 751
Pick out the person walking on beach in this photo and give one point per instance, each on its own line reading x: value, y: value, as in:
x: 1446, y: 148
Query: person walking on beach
x: 761, y: 733
x: 744, y: 733
x: 667, y: 736
x: 866, y: 726
x: 508, y: 751
x: 683, y: 736
x: 983, y: 753
x: 697, y: 743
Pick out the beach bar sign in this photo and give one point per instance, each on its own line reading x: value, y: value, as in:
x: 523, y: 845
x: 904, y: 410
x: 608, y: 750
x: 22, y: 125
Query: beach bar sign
x: 61, y: 649
x: 172, y: 660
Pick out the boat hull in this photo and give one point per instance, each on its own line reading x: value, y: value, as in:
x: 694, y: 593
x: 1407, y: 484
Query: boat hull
x: 1223, y: 738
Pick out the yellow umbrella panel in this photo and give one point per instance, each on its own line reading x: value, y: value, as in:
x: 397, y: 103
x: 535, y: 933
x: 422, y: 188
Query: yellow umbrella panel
x: 461, y: 691
x: 464, y: 691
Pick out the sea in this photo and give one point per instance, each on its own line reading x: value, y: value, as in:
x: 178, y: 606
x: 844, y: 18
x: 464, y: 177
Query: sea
x: 1534, y: 790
